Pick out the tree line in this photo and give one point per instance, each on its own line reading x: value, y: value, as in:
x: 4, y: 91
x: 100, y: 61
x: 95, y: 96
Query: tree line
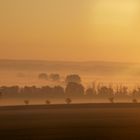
x: 73, y: 89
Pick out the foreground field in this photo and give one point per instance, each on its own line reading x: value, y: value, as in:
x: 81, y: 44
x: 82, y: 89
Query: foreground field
x: 71, y: 122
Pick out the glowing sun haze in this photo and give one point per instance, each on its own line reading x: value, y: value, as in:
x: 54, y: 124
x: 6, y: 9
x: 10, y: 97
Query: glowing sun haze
x: 72, y: 30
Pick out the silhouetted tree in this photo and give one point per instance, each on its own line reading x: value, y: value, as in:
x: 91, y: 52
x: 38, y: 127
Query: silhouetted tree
x: 12, y: 91
x: 26, y: 102
x: 28, y: 91
x: 48, y: 102
x: 0, y: 95
x: 47, y: 92
x: 54, y: 77
x: 74, y: 90
x: 43, y: 76
x: 94, y: 89
x: 104, y: 91
x: 121, y: 91
x: 111, y: 99
x: 136, y: 92
x: 89, y: 92
x: 74, y: 78
x: 68, y: 101
x: 134, y: 100
x: 58, y: 92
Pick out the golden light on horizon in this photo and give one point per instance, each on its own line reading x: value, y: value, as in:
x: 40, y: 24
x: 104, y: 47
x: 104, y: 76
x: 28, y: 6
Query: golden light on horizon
x: 115, y: 12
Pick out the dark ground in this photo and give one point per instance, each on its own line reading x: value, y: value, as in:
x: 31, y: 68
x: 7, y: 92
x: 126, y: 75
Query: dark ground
x: 71, y: 122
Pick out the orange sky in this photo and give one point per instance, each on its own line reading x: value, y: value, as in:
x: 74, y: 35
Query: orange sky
x: 72, y: 30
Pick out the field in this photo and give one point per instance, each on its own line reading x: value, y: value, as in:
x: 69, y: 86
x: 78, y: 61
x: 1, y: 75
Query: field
x: 70, y: 122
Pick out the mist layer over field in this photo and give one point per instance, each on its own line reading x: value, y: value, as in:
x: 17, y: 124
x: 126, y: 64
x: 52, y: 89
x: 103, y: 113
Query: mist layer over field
x: 26, y: 73
x: 16, y: 72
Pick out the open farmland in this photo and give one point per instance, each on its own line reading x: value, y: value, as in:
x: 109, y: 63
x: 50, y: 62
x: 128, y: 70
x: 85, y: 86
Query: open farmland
x: 71, y: 122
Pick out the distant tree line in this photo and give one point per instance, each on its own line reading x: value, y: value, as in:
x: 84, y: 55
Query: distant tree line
x: 73, y: 89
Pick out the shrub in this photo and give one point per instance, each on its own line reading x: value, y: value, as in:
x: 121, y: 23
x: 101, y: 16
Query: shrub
x: 26, y: 102
x: 68, y: 101
x: 0, y: 94
x: 48, y: 102
x: 134, y: 100
x: 111, y: 99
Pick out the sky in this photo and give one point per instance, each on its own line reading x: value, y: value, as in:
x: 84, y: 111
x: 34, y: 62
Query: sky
x: 70, y: 30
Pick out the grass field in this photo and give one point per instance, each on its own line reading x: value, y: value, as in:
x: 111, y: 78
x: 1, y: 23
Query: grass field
x: 71, y: 122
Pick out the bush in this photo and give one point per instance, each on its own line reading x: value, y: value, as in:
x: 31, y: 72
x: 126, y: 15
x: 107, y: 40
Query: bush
x: 68, y: 101
x: 0, y: 94
x: 134, y: 101
x: 111, y: 99
x: 26, y: 102
x: 48, y: 102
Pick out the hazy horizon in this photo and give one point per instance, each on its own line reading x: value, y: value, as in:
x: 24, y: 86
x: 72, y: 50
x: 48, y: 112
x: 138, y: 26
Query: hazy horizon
x: 98, y: 40
x: 25, y: 72
x: 69, y: 69
x: 73, y: 61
